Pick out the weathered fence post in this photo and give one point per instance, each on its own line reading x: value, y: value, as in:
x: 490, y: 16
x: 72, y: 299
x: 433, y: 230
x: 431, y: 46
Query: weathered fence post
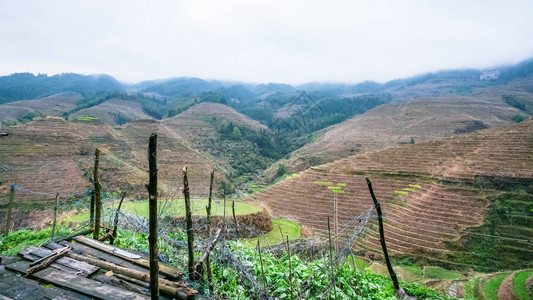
x: 9, y: 208
x: 97, y: 194
x: 115, y: 223
x: 188, y: 219
x: 382, y: 237
x: 208, y: 259
x: 55, y: 216
x: 331, y: 261
x: 152, y: 206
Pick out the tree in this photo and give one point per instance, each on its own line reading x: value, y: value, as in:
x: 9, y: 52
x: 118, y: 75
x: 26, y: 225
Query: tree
x: 281, y: 170
x: 412, y: 140
x: 236, y: 133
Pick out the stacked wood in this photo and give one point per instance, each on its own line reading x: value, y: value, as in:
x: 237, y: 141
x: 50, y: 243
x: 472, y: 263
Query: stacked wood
x: 97, y: 270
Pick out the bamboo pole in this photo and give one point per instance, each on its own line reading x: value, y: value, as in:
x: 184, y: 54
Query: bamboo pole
x: 290, y: 265
x: 55, y: 216
x: 188, y: 219
x: 331, y: 261
x: 152, y: 199
x: 382, y: 236
x: 115, y: 223
x: 91, y: 209
x: 235, y: 220
x: 9, y: 209
x: 262, y: 269
x: 208, y: 259
x: 97, y: 194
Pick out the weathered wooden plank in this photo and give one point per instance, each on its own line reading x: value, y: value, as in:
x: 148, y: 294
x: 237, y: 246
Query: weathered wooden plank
x: 163, y: 269
x: 79, y: 248
x: 26, y: 254
x: 18, y: 287
x: 79, y: 284
x: 112, y: 280
x: 84, y: 267
x: 78, y: 268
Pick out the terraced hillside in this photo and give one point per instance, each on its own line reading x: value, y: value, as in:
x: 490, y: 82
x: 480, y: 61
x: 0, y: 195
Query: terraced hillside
x: 423, y: 119
x: 114, y: 111
x: 430, y: 192
x: 54, y: 105
x: 56, y: 156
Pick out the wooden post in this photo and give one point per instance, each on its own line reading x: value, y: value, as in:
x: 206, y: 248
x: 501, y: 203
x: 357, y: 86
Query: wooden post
x: 97, y: 194
x: 115, y: 223
x: 331, y: 261
x: 188, y: 219
x: 55, y: 216
x: 152, y: 200
x: 9, y: 208
x: 382, y: 237
x: 235, y: 220
x: 208, y: 259
x: 91, y: 210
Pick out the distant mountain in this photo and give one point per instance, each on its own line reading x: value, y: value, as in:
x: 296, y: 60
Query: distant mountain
x: 183, y: 86
x: 26, y: 86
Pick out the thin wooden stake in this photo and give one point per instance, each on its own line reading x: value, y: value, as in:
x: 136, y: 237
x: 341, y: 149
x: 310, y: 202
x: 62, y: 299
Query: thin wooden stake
x: 382, y: 237
x: 235, y: 220
x: 97, y: 194
x: 281, y: 265
x: 188, y: 219
x: 91, y: 209
x: 9, y: 209
x: 55, y: 216
x: 115, y: 223
x: 152, y: 205
x: 224, y: 195
x: 336, y: 223
x: 290, y: 265
x: 262, y: 269
x: 208, y: 259
x: 331, y: 261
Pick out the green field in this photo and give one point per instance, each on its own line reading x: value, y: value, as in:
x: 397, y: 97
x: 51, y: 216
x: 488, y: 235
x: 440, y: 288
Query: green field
x: 519, y: 285
x: 440, y: 273
x: 491, y: 287
x: 288, y: 228
x: 175, y: 208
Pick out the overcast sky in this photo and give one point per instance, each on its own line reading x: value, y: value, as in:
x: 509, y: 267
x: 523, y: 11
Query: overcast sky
x: 262, y: 41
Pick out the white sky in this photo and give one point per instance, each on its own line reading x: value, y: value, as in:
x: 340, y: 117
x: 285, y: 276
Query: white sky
x: 262, y: 41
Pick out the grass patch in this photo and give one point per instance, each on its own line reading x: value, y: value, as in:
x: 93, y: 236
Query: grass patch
x: 322, y: 182
x: 288, y: 228
x: 519, y: 285
x: 401, y: 192
x: 359, y: 262
x: 18, y: 240
x: 87, y: 118
x: 491, y: 287
x: 440, y: 273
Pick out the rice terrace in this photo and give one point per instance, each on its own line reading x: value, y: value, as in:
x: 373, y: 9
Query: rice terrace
x: 362, y: 173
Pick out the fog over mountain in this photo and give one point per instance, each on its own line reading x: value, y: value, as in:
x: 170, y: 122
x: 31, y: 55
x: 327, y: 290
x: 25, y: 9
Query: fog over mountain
x: 262, y: 41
